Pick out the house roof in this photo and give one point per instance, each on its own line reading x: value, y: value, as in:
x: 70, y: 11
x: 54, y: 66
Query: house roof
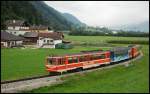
x: 5, y: 36
x: 40, y: 27
x: 53, y: 35
x: 14, y: 22
x: 31, y: 34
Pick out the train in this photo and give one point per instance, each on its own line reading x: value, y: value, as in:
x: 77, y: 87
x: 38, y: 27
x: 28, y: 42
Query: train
x: 89, y: 59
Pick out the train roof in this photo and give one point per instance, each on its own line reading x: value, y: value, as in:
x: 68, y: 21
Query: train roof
x: 119, y: 50
x: 78, y: 54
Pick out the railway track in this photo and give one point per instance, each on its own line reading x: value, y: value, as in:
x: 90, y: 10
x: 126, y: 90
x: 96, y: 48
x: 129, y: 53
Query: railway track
x: 19, y: 85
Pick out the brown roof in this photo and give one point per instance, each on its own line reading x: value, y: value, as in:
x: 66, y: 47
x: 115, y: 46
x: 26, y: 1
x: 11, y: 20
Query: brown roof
x: 38, y: 27
x: 53, y: 35
x: 31, y: 34
x: 5, y: 36
x: 14, y: 22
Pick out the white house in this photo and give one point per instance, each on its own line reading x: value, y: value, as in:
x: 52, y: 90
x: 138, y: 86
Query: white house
x: 49, y: 40
x: 114, y: 32
x: 17, y: 27
x: 17, y: 32
x: 44, y: 39
x: 10, y: 40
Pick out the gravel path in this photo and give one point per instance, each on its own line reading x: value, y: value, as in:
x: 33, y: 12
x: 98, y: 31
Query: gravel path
x: 47, y: 81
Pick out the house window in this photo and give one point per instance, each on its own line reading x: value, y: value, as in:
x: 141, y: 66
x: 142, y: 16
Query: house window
x: 51, y: 40
x: 14, y: 32
x: 47, y: 41
x: 44, y: 40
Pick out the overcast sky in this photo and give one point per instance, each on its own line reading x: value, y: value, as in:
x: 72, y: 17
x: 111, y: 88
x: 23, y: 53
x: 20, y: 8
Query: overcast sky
x: 105, y: 13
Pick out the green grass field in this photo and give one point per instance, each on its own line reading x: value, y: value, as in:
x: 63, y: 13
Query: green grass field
x: 121, y: 79
x: 20, y: 63
x: 101, y: 39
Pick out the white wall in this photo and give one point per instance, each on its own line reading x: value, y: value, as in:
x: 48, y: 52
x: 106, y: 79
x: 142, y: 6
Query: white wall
x: 19, y: 42
x: 57, y: 41
x: 17, y: 27
x: 16, y: 32
x: 50, y: 31
x: 4, y: 43
x: 24, y: 27
x: 12, y: 43
x: 51, y: 42
x: 10, y: 28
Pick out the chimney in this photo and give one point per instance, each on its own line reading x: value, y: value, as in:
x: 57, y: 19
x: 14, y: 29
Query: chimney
x: 14, y: 21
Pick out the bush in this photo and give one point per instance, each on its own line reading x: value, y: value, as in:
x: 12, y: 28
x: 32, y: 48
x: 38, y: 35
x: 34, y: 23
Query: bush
x: 64, y: 46
x: 128, y: 42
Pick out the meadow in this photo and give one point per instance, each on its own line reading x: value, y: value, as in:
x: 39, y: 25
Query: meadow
x: 19, y: 63
x: 103, y: 39
x: 121, y: 79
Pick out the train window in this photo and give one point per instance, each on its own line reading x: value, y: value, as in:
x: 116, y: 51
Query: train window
x: 95, y: 57
x: 102, y: 56
x: 82, y: 58
x: 72, y: 60
x: 87, y: 58
x: 75, y: 60
x: 61, y: 61
x: 50, y: 61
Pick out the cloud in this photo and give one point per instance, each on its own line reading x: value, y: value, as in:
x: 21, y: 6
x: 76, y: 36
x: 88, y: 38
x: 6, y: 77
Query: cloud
x: 106, y: 13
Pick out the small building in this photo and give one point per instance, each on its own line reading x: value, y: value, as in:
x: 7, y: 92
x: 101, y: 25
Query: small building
x: 49, y: 40
x: 44, y: 39
x: 114, y: 32
x: 39, y: 28
x: 17, y: 27
x: 31, y: 37
x: 10, y: 40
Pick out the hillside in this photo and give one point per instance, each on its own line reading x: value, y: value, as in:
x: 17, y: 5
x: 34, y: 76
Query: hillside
x: 51, y: 16
x: 35, y: 13
x: 73, y: 19
x: 22, y: 10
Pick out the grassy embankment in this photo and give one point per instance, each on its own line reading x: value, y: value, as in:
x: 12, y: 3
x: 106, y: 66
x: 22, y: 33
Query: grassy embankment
x: 132, y: 79
x: 19, y: 63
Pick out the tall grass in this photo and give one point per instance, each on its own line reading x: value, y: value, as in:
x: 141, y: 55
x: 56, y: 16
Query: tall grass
x: 128, y: 41
x: 121, y: 79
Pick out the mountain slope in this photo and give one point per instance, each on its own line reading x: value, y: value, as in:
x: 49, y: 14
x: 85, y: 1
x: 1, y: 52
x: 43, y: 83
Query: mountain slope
x: 72, y: 19
x: 35, y: 12
x: 51, y: 16
x: 22, y: 10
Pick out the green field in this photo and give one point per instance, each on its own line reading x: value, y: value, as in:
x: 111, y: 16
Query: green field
x: 121, y: 79
x: 101, y: 39
x: 19, y: 63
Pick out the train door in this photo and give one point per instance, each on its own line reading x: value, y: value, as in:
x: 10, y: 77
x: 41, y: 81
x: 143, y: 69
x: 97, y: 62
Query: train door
x: 112, y: 56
